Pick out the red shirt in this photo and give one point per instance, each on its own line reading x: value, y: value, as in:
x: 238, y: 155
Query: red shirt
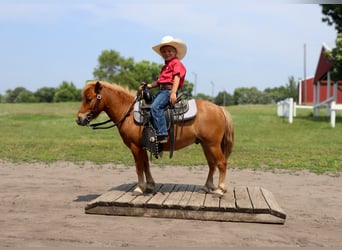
x: 170, y: 69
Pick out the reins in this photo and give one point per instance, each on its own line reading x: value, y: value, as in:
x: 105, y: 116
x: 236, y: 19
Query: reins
x: 97, y: 125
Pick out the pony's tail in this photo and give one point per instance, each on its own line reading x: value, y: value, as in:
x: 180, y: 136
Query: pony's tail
x: 227, y: 142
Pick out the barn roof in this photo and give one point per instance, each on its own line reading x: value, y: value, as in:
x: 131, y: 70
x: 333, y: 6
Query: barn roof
x: 324, y: 64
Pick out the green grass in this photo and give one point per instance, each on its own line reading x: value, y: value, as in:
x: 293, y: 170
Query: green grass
x: 48, y: 133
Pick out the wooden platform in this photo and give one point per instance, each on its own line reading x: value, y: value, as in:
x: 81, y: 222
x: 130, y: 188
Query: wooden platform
x: 239, y: 204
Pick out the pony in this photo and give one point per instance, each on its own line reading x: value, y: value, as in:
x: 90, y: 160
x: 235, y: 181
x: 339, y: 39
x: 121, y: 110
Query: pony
x: 212, y: 128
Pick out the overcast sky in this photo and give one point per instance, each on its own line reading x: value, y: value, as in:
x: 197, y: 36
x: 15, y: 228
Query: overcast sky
x: 231, y: 44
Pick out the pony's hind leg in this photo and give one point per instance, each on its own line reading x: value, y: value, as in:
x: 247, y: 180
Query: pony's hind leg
x: 215, y: 158
x: 209, y: 184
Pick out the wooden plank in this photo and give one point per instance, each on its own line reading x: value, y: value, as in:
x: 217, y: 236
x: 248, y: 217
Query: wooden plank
x: 243, y: 203
x: 186, y: 214
x: 258, y: 201
x: 211, y: 202
x: 113, y: 194
x: 176, y: 196
x: 187, y: 194
x: 196, y: 200
x: 125, y: 200
x: 273, y: 204
x: 227, y: 202
x: 141, y: 200
x: 158, y: 199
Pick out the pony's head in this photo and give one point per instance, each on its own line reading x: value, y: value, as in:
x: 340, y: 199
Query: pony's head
x: 92, y: 104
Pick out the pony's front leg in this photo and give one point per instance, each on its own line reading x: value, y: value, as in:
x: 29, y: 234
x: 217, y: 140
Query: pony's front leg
x: 142, y: 167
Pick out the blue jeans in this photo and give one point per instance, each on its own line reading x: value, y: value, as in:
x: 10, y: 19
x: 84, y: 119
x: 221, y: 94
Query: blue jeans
x: 158, y: 106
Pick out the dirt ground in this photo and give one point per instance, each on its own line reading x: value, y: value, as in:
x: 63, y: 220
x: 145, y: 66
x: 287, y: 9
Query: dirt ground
x: 43, y: 205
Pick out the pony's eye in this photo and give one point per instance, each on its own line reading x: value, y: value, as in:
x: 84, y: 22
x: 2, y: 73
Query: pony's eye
x: 89, y: 100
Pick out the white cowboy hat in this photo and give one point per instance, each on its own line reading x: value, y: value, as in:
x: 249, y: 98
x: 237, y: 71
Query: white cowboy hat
x: 177, y: 43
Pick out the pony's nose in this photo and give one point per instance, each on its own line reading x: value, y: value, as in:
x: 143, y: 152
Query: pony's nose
x: 78, y: 121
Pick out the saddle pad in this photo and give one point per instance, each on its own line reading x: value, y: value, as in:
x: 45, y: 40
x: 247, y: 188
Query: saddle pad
x: 191, y: 113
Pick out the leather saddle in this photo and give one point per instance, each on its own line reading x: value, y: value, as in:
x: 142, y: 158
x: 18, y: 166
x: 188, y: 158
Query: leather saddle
x: 182, y: 111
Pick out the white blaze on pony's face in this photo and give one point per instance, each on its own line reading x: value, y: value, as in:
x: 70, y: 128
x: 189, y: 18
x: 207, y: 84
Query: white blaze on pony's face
x: 90, y: 107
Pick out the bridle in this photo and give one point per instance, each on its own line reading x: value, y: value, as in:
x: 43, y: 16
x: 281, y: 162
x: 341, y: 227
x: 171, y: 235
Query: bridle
x: 95, y: 111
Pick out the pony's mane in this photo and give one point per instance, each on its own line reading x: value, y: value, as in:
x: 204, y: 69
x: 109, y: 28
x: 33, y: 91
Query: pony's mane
x: 112, y: 86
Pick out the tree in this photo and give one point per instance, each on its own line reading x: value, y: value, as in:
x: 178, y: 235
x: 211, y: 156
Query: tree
x: 45, y: 94
x: 115, y: 68
x: 202, y: 96
x: 291, y: 88
x: 336, y: 56
x: 19, y: 94
x: 223, y: 98
x: 187, y: 89
x: 277, y: 93
x: 67, y: 92
x: 144, y: 71
x: 247, y: 95
x: 333, y: 15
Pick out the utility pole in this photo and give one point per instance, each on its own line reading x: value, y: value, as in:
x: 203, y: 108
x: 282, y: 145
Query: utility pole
x: 305, y: 85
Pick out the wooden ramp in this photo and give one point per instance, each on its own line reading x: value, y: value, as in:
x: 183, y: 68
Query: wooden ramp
x: 239, y: 204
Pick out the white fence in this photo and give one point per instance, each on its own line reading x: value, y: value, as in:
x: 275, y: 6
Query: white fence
x: 333, y: 108
x: 285, y: 109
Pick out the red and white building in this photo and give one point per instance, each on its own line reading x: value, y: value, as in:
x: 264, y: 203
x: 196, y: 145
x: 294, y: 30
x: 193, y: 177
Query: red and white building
x: 320, y: 89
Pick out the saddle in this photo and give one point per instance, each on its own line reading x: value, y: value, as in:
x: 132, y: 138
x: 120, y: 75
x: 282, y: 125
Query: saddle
x: 182, y: 110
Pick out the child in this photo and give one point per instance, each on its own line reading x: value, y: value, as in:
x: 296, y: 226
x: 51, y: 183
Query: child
x: 170, y: 79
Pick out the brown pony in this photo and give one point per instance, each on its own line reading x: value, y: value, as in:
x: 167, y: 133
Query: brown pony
x: 212, y: 128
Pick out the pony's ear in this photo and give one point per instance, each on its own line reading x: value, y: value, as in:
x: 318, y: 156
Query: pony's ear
x: 98, y: 87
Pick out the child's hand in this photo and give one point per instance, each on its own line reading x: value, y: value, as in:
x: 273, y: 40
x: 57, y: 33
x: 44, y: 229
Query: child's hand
x: 173, y: 98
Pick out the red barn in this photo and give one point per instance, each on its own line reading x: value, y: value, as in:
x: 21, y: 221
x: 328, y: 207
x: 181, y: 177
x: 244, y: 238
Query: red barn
x: 320, y: 85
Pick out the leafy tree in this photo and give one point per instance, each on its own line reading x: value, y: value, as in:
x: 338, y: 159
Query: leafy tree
x: 67, y: 92
x: 223, y: 98
x: 333, y: 15
x: 145, y: 71
x: 45, y: 94
x: 187, y: 89
x: 115, y: 68
x: 336, y: 56
x: 19, y: 94
x: 245, y: 95
x: 291, y: 88
x: 202, y: 96
x: 109, y: 65
x: 277, y: 93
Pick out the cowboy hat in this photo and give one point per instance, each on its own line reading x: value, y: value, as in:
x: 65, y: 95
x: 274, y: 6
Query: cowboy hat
x: 177, y: 43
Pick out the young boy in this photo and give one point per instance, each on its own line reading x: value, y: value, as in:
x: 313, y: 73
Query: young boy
x: 170, y: 79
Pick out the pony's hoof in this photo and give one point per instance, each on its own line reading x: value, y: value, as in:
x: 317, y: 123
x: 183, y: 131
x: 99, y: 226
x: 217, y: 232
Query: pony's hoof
x: 204, y: 190
x: 218, y: 193
x: 150, y: 188
x: 137, y: 192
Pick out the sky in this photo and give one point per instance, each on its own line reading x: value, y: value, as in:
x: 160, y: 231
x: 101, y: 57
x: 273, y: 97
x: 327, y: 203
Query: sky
x: 231, y: 44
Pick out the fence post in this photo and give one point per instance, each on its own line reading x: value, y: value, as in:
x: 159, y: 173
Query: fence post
x: 290, y: 118
x: 332, y: 114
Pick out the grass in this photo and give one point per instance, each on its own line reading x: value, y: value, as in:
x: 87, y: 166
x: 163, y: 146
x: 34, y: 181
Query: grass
x: 48, y: 133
